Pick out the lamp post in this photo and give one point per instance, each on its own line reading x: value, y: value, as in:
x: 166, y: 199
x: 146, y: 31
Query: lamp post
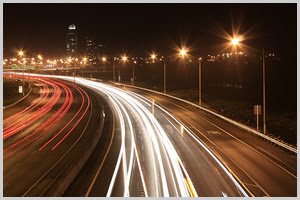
x: 124, y: 60
x: 200, y: 80
x: 133, y: 74
x: 264, y: 90
x: 104, y: 60
x: 114, y: 70
x: 21, y: 54
x: 153, y: 57
x: 40, y: 60
x: 84, y: 59
x: 165, y: 77
x: 235, y: 42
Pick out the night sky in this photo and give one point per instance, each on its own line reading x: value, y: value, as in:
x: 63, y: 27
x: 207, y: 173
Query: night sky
x: 140, y: 28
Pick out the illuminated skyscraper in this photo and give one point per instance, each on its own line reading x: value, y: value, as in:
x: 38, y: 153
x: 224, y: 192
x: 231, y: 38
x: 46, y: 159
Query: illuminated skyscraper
x: 91, y: 50
x: 71, y: 41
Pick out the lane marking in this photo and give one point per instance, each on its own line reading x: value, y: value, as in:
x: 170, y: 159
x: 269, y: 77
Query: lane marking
x: 240, y: 141
x: 104, y: 159
x: 61, y: 158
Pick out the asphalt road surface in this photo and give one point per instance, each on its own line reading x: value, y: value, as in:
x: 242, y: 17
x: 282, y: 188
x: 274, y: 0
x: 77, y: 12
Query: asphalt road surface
x: 262, y: 167
x: 46, y: 135
x: 146, y: 144
x: 149, y: 155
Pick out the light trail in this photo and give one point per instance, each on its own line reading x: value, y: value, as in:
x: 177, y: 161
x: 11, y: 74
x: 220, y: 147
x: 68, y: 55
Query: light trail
x: 201, y: 144
x: 41, y: 107
x: 171, y: 178
x: 161, y: 146
x: 50, y: 122
x: 36, y: 103
x: 28, y: 119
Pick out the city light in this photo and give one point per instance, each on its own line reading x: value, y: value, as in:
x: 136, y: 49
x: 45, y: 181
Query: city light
x: 183, y: 52
x: 235, y: 41
x: 124, y: 58
x: 21, y: 53
x: 84, y: 59
x: 108, y: 116
x: 153, y: 56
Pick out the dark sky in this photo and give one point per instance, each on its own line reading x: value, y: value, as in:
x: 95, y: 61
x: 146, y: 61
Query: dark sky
x: 139, y: 28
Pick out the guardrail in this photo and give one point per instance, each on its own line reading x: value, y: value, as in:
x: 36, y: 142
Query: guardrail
x: 242, y: 126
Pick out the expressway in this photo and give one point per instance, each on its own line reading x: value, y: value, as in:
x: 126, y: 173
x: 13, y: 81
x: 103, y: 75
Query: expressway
x: 146, y: 144
x: 149, y: 155
x: 46, y: 136
x: 263, y: 168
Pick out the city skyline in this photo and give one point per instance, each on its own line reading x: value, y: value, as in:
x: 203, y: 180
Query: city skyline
x: 155, y: 26
x: 150, y: 100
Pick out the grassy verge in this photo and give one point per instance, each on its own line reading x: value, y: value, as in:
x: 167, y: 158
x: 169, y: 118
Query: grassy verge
x: 283, y: 125
x: 11, y: 90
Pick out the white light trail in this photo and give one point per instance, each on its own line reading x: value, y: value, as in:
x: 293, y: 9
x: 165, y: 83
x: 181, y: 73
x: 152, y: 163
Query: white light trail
x: 201, y: 144
x: 164, y: 157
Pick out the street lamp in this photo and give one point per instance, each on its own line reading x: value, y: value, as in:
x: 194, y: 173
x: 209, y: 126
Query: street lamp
x: 153, y: 57
x: 40, y: 60
x: 264, y: 90
x: 235, y: 42
x: 104, y: 60
x: 124, y: 60
x: 200, y: 80
x: 21, y: 54
x: 114, y: 75
x: 133, y: 72
x: 84, y: 59
x: 183, y: 52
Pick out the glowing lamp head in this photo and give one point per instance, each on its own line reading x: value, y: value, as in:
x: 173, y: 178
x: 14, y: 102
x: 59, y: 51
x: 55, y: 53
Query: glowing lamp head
x: 21, y: 53
x: 103, y: 59
x: 84, y: 59
x: 182, y: 52
x: 153, y: 56
x: 124, y: 58
x: 235, y: 41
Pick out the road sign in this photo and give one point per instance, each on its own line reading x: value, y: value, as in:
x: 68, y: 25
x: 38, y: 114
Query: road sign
x: 257, y: 109
x: 20, y: 89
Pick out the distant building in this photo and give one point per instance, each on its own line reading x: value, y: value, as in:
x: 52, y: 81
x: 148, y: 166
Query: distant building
x: 91, y: 50
x: 71, y: 41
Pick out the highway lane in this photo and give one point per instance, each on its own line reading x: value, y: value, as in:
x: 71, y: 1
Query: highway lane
x: 161, y: 156
x: 265, y: 169
x: 149, y: 156
x: 46, y: 136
